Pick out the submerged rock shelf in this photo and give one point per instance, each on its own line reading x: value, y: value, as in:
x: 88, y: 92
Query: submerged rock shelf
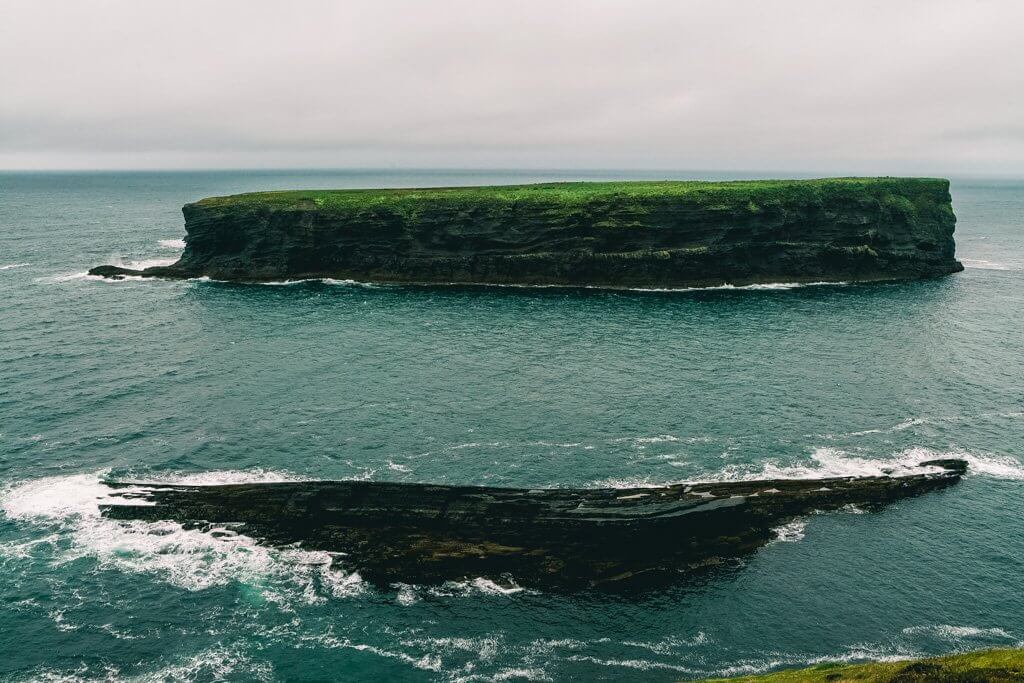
x: 625, y: 234
x: 562, y: 539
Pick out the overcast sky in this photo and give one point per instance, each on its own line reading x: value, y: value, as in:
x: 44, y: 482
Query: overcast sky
x: 858, y: 87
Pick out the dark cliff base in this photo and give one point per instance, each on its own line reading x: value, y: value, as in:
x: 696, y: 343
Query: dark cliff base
x: 562, y: 539
x: 635, y: 234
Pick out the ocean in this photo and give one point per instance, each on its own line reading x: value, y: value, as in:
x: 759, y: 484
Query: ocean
x: 208, y: 382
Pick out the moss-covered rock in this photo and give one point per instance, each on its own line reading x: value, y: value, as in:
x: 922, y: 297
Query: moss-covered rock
x: 627, y: 234
x: 987, y: 666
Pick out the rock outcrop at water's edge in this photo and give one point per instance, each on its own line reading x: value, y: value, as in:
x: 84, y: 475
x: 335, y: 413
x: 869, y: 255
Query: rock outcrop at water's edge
x: 561, y: 539
x: 629, y: 234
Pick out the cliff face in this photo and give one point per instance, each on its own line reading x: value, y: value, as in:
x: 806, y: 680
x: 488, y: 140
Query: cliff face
x: 636, y: 234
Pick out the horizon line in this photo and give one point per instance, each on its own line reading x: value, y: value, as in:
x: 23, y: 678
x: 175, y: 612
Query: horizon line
x: 501, y: 169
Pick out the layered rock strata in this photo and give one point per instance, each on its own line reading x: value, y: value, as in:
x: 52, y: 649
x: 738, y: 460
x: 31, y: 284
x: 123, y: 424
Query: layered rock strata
x: 670, y: 234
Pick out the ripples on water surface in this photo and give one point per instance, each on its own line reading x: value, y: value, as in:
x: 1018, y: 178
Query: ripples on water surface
x: 209, y: 383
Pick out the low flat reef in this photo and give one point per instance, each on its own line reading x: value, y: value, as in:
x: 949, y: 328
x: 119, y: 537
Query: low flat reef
x: 987, y: 666
x: 558, y: 539
x: 666, y: 234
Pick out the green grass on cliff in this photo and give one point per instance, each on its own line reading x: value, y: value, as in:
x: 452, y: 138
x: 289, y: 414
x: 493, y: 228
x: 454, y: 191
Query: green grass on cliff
x: 987, y: 666
x: 751, y: 194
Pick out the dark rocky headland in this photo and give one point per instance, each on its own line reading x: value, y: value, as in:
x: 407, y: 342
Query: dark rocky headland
x: 560, y: 539
x: 622, y: 234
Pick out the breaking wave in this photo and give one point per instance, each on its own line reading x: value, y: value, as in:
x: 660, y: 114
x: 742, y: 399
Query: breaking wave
x: 792, y: 532
x: 764, y: 286
x: 984, y: 264
x: 193, y: 559
x: 958, y: 633
x: 143, y: 263
x: 825, y: 462
x: 117, y: 261
x: 834, y: 462
x: 215, y: 663
x: 772, y: 286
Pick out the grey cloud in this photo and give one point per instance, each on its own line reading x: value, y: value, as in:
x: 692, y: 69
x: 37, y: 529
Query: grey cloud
x: 848, y: 87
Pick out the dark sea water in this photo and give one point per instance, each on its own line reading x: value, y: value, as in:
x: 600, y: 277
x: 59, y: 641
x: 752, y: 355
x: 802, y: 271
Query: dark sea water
x: 210, y: 382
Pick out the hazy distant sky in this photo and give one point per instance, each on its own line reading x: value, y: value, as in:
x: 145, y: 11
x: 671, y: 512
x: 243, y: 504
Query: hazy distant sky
x: 859, y: 87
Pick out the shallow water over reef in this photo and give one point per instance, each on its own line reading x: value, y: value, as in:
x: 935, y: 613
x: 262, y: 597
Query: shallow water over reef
x: 207, y: 382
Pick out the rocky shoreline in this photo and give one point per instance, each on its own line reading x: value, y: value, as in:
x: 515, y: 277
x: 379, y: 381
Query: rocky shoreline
x: 671, y: 234
x: 558, y: 539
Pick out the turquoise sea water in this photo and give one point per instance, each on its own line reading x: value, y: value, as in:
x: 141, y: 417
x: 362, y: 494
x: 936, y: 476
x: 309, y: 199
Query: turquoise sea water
x: 212, y: 382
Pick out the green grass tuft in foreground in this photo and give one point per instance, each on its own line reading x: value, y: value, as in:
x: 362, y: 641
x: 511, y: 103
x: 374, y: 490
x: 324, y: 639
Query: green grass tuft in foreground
x: 986, y: 666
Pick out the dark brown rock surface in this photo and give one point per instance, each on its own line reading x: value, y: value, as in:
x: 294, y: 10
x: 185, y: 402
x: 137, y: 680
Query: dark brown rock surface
x: 565, y: 539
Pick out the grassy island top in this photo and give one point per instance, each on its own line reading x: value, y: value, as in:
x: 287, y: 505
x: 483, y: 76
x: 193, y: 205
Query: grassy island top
x: 700, y: 193
x: 991, y: 666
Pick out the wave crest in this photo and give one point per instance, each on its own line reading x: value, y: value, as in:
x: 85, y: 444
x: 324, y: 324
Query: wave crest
x: 189, y: 558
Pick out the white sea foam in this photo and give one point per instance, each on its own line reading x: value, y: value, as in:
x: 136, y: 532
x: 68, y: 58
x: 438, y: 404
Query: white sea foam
x: 908, y: 423
x: 117, y: 261
x: 143, y: 263
x: 521, y: 673
x: 670, y: 644
x: 67, y: 277
x: 766, y: 286
x: 901, y: 426
x: 406, y: 594
x: 488, y: 587
x: 824, y: 462
x: 173, y: 244
x: 627, y: 482
x: 192, y: 559
x: 328, y: 639
x: 410, y: 594
x: 60, y: 497
x: 349, y: 283
x: 552, y: 444
x: 475, y: 444
x: 863, y: 432
x: 956, y: 633
x: 219, y: 477
x: 309, y: 280
x: 216, y: 663
x: 12, y: 266
x: 984, y: 264
x: 828, y: 462
x: 661, y: 438
x: 997, y: 467
x: 477, y: 586
x: 792, y: 532
x: 639, y: 664
x: 834, y: 462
